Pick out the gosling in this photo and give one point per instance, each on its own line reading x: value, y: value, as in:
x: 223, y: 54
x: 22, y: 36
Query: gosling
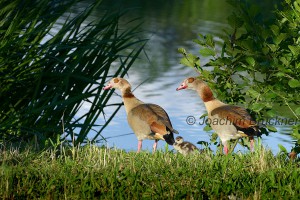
x: 184, y: 148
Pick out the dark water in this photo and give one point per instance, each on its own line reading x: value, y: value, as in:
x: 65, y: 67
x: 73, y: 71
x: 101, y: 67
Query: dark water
x: 171, y: 24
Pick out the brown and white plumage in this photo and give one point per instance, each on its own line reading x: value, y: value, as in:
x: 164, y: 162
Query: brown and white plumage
x: 228, y: 121
x: 184, y: 147
x: 148, y: 121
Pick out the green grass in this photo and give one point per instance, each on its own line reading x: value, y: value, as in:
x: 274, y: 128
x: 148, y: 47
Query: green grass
x: 92, y: 172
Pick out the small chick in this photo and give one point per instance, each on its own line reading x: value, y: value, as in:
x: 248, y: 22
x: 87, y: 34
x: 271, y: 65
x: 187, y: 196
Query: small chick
x: 184, y: 148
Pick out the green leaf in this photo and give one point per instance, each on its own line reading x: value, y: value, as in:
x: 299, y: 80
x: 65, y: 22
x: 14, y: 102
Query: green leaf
x: 293, y: 83
x: 186, y: 62
x: 296, y: 133
x: 270, y: 95
x: 294, y: 49
x: 206, y: 74
x: 182, y: 51
x: 297, y: 111
x: 275, y: 29
x: 200, y: 42
x: 190, y: 60
x: 214, y: 137
x: 271, y: 128
x: 240, y: 68
x: 284, y: 60
x: 296, y: 5
x: 204, y: 143
x: 254, y: 10
x: 265, y: 50
x: 280, y: 74
x: 271, y: 113
x: 201, y: 35
x: 209, y: 40
x: 257, y: 107
x: 203, y: 116
x: 235, y: 21
x: 207, y: 128
x: 248, y: 44
x: 228, y: 85
x: 273, y: 47
x: 250, y: 61
x: 253, y: 93
x: 282, y: 36
x: 282, y: 148
x: 207, y: 52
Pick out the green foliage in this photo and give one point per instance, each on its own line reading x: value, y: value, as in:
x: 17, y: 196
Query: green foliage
x: 52, y: 63
x: 258, y: 62
x: 91, y: 172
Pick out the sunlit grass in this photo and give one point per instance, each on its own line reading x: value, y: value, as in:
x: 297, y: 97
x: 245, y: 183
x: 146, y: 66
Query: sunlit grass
x: 95, y: 172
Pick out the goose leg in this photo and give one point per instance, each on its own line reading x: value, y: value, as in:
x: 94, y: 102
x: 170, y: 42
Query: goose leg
x: 226, y: 150
x: 225, y: 147
x: 139, y: 146
x: 155, y: 145
x: 251, y: 144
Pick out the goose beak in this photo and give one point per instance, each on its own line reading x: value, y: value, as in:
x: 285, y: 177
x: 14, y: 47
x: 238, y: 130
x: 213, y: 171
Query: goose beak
x: 181, y: 87
x: 107, y: 87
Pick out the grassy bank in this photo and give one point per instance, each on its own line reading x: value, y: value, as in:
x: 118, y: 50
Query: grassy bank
x: 97, y: 173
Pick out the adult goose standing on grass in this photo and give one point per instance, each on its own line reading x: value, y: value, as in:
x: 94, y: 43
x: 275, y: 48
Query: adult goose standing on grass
x: 148, y: 121
x: 228, y: 121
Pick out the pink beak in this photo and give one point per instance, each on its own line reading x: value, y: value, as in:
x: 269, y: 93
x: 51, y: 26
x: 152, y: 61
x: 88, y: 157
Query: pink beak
x: 181, y: 87
x: 107, y: 87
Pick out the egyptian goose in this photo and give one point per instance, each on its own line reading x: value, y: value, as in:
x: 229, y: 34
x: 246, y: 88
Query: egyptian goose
x: 228, y: 121
x: 148, y: 121
x: 184, y: 147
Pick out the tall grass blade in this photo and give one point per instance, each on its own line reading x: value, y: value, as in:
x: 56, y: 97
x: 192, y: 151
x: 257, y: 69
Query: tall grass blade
x: 53, y: 65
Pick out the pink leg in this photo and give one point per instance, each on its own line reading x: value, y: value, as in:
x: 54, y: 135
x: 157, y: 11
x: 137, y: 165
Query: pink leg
x: 226, y: 150
x: 139, y: 146
x: 155, y: 145
x: 252, y: 144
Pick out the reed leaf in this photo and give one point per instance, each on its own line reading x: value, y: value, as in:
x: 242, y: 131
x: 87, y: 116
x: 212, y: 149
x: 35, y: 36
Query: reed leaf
x: 53, y: 62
